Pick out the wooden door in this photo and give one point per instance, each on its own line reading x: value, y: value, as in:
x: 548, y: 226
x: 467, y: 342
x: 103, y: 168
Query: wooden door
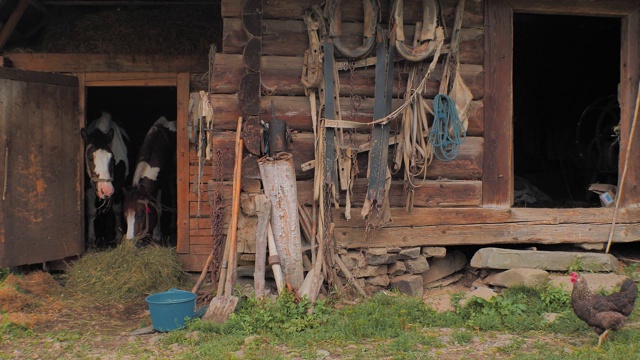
x: 41, y: 214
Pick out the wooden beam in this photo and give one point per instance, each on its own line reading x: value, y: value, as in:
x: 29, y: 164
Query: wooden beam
x: 465, y: 226
x: 183, y: 163
x: 130, y: 79
x: 581, y: 7
x: 487, y: 235
x: 629, y: 81
x: 54, y: 62
x: 447, y: 227
x: 80, y: 184
x: 497, y: 189
x: 12, y: 22
x: 432, y: 194
x: 38, y: 77
x: 478, y: 216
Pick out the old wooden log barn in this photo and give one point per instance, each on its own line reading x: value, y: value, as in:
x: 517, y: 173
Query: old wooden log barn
x: 375, y: 136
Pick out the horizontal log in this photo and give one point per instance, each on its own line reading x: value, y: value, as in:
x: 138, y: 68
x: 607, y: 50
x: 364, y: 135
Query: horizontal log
x: 352, y: 10
x: 200, y: 249
x: 296, y: 111
x: 55, y: 62
x: 193, y: 262
x: 432, y: 193
x: 280, y: 75
x: 475, y: 216
x: 467, y: 166
x: 290, y: 38
x: 200, y: 240
x: 614, y: 8
x: 468, y: 226
x: 486, y: 234
x: 472, y: 226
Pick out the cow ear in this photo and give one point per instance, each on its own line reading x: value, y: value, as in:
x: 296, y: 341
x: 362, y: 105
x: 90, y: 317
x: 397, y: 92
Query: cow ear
x: 84, y: 135
x: 110, y: 135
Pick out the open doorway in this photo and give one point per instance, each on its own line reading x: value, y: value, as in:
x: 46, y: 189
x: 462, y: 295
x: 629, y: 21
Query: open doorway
x: 566, y: 71
x: 135, y: 109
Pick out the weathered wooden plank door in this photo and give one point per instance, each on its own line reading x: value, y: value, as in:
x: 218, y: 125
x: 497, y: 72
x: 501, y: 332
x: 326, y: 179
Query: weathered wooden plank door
x: 41, y: 215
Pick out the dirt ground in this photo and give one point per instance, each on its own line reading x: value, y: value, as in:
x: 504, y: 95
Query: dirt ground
x: 70, y: 327
x: 65, y: 326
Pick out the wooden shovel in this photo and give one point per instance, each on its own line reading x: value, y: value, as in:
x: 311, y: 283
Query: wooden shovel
x: 222, y: 305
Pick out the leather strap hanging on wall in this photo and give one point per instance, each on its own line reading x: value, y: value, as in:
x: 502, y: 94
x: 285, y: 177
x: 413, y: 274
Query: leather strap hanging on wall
x: 329, y: 111
x: 376, y: 206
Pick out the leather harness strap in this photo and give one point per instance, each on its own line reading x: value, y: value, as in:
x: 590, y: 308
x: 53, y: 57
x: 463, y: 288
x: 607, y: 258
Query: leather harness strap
x: 147, y: 211
x: 329, y: 112
x: 380, y: 133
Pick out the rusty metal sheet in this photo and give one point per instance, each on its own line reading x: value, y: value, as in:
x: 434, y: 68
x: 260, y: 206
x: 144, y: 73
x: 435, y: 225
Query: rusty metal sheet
x: 41, y: 205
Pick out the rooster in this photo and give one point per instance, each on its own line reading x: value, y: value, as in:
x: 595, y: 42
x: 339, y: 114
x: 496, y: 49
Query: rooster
x: 602, y: 313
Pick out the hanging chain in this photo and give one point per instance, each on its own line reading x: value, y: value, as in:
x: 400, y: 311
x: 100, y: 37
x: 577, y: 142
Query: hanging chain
x: 216, y: 204
x: 356, y: 102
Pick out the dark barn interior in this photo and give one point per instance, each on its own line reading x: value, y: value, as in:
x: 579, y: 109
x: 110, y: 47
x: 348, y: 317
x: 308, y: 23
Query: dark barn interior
x: 565, y: 79
x: 135, y: 109
x: 114, y: 28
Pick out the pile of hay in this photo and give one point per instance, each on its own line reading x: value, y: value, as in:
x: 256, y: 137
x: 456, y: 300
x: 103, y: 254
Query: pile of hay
x: 31, y: 299
x: 125, y: 273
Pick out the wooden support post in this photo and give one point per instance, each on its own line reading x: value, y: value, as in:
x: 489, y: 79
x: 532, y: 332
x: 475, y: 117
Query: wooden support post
x: 263, y: 209
x: 274, y: 260
x: 279, y: 181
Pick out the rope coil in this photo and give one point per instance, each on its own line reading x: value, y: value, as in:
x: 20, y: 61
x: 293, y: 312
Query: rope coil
x: 447, y: 131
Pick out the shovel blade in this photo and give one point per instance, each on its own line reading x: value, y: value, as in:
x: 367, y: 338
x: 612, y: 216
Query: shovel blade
x: 220, y: 308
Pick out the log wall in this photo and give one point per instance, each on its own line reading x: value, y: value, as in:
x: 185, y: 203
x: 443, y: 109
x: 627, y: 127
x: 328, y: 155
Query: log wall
x: 449, y: 184
x: 453, y: 206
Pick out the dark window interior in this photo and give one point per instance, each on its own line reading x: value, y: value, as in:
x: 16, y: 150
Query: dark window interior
x: 565, y: 80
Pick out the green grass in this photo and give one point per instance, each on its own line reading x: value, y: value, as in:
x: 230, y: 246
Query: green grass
x: 400, y: 327
x: 387, y: 325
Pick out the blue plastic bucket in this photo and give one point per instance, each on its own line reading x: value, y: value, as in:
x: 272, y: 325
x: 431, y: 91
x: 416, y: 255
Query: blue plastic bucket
x: 169, y: 309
